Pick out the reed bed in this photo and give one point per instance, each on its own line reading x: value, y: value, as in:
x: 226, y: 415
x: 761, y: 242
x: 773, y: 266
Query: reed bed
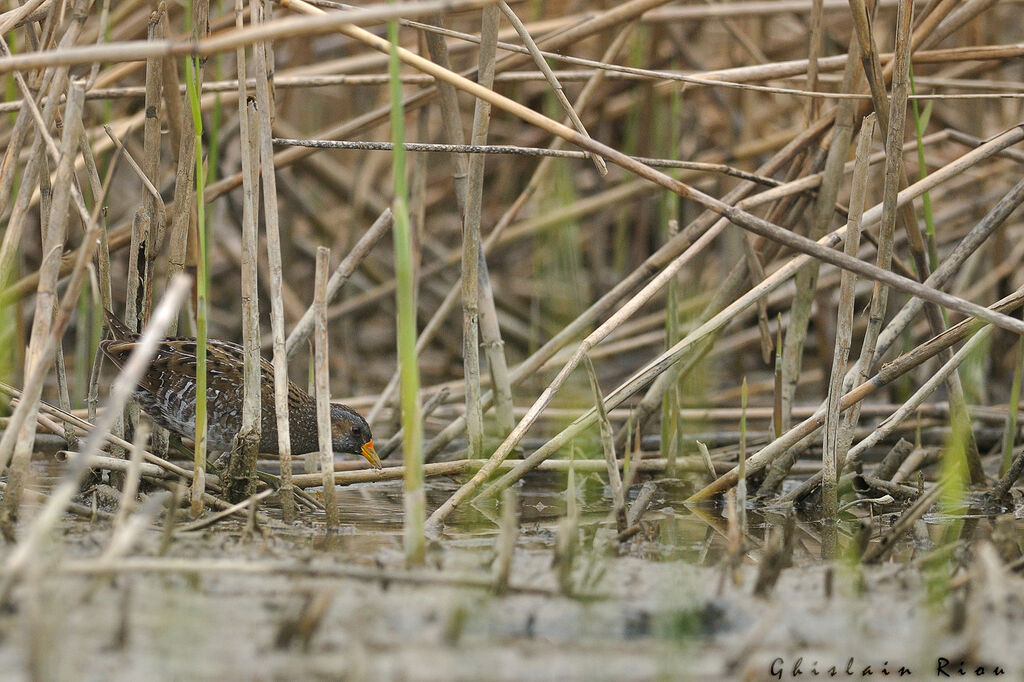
x: 740, y: 256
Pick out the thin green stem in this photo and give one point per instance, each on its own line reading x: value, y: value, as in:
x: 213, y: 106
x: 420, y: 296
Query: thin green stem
x: 199, y: 463
x: 405, y: 294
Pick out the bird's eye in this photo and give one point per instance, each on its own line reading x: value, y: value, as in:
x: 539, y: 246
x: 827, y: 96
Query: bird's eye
x: 355, y: 430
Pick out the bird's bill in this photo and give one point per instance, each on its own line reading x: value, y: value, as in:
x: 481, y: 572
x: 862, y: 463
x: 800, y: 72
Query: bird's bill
x: 371, y: 455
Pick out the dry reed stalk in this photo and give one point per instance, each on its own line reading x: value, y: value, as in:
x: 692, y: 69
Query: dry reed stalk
x: 905, y: 410
x: 17, y: 442
x: 658, y: 365
x: 824, y: 209
x: 549, y: 76
x: 959, y: 13
x: 831, y: 456
x: 146, y: 227
x: 896, y: 178
x: 968, y: 245
x: 104, y: 462
x: 449, y: 104
x: 241, y: 477
x: 113, y: 440
x: 131, y: 479
x: 460, y: 150
x: 270, y: 213
x: 122, y: 389
x: 323, y: 384
x: 471, y: 243
x: 888, y: 373
x: 813, y: 53
x: 542, y: 354
x: 273, y: 30
x: 461, y: 466
x: 12, y: 18
x: 248, y: 503
x: 183, y: 221
x: 14, y: 232
x: 893, y: 459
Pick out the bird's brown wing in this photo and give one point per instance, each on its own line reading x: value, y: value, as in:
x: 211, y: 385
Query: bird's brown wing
x: 224, y: 360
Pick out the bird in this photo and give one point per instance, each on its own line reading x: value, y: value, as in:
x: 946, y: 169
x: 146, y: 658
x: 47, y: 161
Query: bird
x: 167, y: 393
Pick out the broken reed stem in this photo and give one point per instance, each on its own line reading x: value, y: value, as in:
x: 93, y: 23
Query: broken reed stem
x: 462, y: 466
x: 321, y: 371
x: 405, y: 294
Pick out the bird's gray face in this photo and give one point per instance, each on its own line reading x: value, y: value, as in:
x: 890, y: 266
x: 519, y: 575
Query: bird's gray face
x: 351, y: 433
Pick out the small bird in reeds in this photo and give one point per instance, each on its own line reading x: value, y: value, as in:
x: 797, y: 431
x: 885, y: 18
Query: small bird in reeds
x: 167, y: 393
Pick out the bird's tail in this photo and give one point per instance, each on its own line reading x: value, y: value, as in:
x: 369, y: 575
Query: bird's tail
x: 118, y: 329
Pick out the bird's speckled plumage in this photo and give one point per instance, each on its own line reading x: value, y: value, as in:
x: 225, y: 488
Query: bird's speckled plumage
x: 167, y: 393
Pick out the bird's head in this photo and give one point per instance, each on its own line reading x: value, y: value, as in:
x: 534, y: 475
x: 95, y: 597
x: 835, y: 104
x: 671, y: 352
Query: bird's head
x: 351, y: 433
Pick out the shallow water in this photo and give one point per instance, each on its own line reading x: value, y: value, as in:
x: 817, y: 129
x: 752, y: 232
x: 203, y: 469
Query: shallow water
x: 663, y: 606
